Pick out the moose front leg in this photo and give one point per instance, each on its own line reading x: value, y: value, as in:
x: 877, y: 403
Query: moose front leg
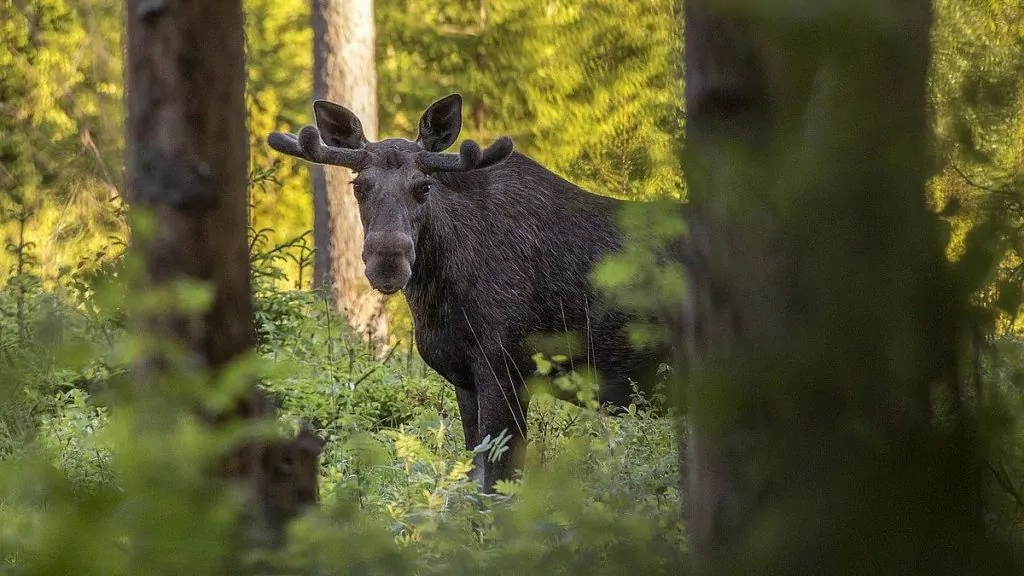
x: 502, y: 407
x: 469, y: 414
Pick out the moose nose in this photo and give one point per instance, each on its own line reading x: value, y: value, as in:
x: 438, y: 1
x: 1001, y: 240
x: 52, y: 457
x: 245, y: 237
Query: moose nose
x: 388, y: 277
x: 388, y: 245
x: 388, y: 257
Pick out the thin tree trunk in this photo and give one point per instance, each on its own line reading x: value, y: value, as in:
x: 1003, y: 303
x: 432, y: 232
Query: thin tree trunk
x: 187, y: 165
x: 822, y: 317
x: 344, y: 71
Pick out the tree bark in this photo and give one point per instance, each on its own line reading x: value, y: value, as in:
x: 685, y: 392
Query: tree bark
x: 823, y: 324
x: 187, y: 151
x: 344, y: 71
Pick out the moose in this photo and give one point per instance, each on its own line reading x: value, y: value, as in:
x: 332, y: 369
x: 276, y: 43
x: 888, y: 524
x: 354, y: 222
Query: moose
x: 489, y: 249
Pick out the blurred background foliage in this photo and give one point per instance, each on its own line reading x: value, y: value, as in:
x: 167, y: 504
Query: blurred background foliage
x: 590, y: 88
x: 587, y: 88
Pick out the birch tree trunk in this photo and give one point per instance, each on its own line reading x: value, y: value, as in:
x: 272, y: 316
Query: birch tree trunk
x: 344, y: 71
x: 823, y: 328
x: 187, y: 151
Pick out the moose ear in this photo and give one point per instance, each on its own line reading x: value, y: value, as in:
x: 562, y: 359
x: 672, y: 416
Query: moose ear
x: 338, y: 126
x: 441, y: 123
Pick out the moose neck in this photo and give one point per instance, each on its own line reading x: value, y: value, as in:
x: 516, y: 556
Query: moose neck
x: 441, y: 242
x: 474, y: 220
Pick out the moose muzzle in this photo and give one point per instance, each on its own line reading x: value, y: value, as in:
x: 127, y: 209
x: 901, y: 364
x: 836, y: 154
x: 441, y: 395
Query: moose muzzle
x: 388, y: 257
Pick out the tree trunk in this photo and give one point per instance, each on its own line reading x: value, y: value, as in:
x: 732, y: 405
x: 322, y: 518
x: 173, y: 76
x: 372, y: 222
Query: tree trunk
x: 344, y: 71
x: 187, y: 159
x: 823, y: 327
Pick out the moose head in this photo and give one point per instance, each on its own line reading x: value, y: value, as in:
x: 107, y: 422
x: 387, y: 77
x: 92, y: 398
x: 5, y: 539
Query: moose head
x: 395, y: 182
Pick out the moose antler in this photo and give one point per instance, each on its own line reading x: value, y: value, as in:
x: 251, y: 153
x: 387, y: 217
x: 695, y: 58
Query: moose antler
x: 470, y: 157
x: 310, y: 147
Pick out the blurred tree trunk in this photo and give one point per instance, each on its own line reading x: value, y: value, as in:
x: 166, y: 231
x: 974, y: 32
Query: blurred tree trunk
x: 826, y: 430
x: 344, y: 71
x: 187, y: 166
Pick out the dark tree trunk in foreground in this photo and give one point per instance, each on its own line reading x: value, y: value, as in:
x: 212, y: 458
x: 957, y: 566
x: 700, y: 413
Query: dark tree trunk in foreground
x: 187, y: 165
x: 826, y: 433
x: 344, y: 71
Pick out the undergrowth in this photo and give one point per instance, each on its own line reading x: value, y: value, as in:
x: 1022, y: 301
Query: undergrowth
x: 96, y: 478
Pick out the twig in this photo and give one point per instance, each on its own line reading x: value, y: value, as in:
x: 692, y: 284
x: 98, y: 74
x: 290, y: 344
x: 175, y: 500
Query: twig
x: 1003, y: 479
x: 974, y: 184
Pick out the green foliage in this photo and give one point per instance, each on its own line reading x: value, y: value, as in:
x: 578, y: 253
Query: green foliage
x: 61, y: 134
x: 977, y: 97
x: 96, y: 478
x: 647, y: 276
x: 588, y: 88
x: 279, y: 88
x: 60, y: 126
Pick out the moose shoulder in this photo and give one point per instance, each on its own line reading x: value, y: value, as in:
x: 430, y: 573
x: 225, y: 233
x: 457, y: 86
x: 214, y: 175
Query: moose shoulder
x: 489, y: 248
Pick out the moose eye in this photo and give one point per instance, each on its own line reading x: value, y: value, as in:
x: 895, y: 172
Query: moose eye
x: 359, y: 189
x: 421, y: 190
